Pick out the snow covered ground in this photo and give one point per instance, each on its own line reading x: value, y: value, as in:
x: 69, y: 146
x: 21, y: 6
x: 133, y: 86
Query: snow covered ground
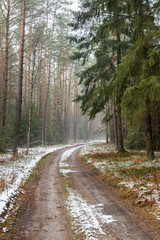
x: 86, y: 219
x: 14, y: 173
x: 146, y: 187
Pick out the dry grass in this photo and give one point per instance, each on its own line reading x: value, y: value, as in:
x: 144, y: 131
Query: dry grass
x: 2, y: 184
x: 124, y: 169
x: 13, y: 158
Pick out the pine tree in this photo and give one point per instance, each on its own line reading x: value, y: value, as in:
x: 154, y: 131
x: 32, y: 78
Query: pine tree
x: 20, y: 77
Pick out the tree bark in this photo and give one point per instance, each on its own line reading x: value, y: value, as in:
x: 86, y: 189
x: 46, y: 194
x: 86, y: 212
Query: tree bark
x: 20, y: 79
x: 30, y: 102
x: 49, y: 79
x: 6, y: 80
x: 29, y: 60
x: 120, y: 147
x: 148, y: 129
x: 56, y: 116
x: 44, y: 85
x: 39, y: 78
x: 68, y: 103
x: 75, y: 110
x: 106, y: 125
x: 65, y: 103
x: 1, y: 57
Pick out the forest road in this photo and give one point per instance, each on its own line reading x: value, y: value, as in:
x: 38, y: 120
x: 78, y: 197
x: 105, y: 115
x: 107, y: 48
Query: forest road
x: 95, y: 213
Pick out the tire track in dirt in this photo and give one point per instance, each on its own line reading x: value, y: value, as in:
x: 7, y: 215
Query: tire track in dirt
x: 42, y: 215
x: 94, y: 192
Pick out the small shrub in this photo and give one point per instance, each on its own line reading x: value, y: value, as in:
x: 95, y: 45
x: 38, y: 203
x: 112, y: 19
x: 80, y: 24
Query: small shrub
x: 135, y: 141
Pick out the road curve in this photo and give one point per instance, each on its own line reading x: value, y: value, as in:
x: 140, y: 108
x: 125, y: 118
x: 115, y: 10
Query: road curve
x: 43, y: 214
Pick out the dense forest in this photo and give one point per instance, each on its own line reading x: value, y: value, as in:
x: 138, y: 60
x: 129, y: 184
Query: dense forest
x: 38, y: 80
x: 119, y: 42
x: 60, y: 68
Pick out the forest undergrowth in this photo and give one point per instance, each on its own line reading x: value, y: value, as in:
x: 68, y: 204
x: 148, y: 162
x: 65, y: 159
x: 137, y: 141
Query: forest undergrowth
x: 131, y: 174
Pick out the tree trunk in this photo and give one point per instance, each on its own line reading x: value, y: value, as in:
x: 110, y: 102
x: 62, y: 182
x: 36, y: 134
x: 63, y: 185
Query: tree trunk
x: 120, y: 147
x: 39, y: 78
x: 25, y: 87
x: 6, y: 80
x: 115, y: 124
x: 49, y: 79
x: 158, y: 127
x: 44, y: 85
x: 148, y: 129
x: 30, y: 103
x: 8, y: 90
x: 65, y: 103
x: 106, y: 124
x: 29, y: 60
x: 20, y: 78
x: 68, y: 103
x: 75, y: 110
x: 58, y: 76
x: 1, y: 57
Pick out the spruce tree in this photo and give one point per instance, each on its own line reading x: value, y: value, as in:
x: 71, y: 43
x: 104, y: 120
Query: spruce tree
x: 138, y: 75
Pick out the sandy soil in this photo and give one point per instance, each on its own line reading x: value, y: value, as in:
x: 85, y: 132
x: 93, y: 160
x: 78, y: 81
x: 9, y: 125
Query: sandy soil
x: 43, y: 214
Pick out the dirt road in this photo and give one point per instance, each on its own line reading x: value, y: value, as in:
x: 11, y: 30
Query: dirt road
x: 87, y: 211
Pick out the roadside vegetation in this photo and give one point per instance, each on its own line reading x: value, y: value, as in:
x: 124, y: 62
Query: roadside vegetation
x: 131, y: 174
x: 10, y: 212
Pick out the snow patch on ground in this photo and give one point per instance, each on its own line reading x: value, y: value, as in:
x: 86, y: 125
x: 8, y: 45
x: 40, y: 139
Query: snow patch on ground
x: 5, y: 229
x: 146, y: 191
x: 63, y: 165
x: 65, y: 156
x: 65, y: 172
x: 14, y: 173
x: 86, y: 219
x: 93, y: 147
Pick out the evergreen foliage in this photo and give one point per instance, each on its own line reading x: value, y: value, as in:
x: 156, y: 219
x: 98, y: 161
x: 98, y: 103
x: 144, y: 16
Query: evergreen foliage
x: 123, y: 36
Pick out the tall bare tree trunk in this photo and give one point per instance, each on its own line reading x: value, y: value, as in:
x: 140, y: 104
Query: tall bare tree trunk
x: 68, y: 102
x: 65, y: 102
x: 20, y: 78
x: 49, y: 78
x: 8, y: 89
x: 44, y: 84
x: 106, y: 123
x: 25, y: 86
x: 58, y: 77
x: 6, y: 80
x: 119, y: 129
x: 148, y: 129
x: 1, y: 55
x: 30, y: 102
x: 29, y: 59
x: 118, y: 104
x: 75, y: 109
x: 39, y: 77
